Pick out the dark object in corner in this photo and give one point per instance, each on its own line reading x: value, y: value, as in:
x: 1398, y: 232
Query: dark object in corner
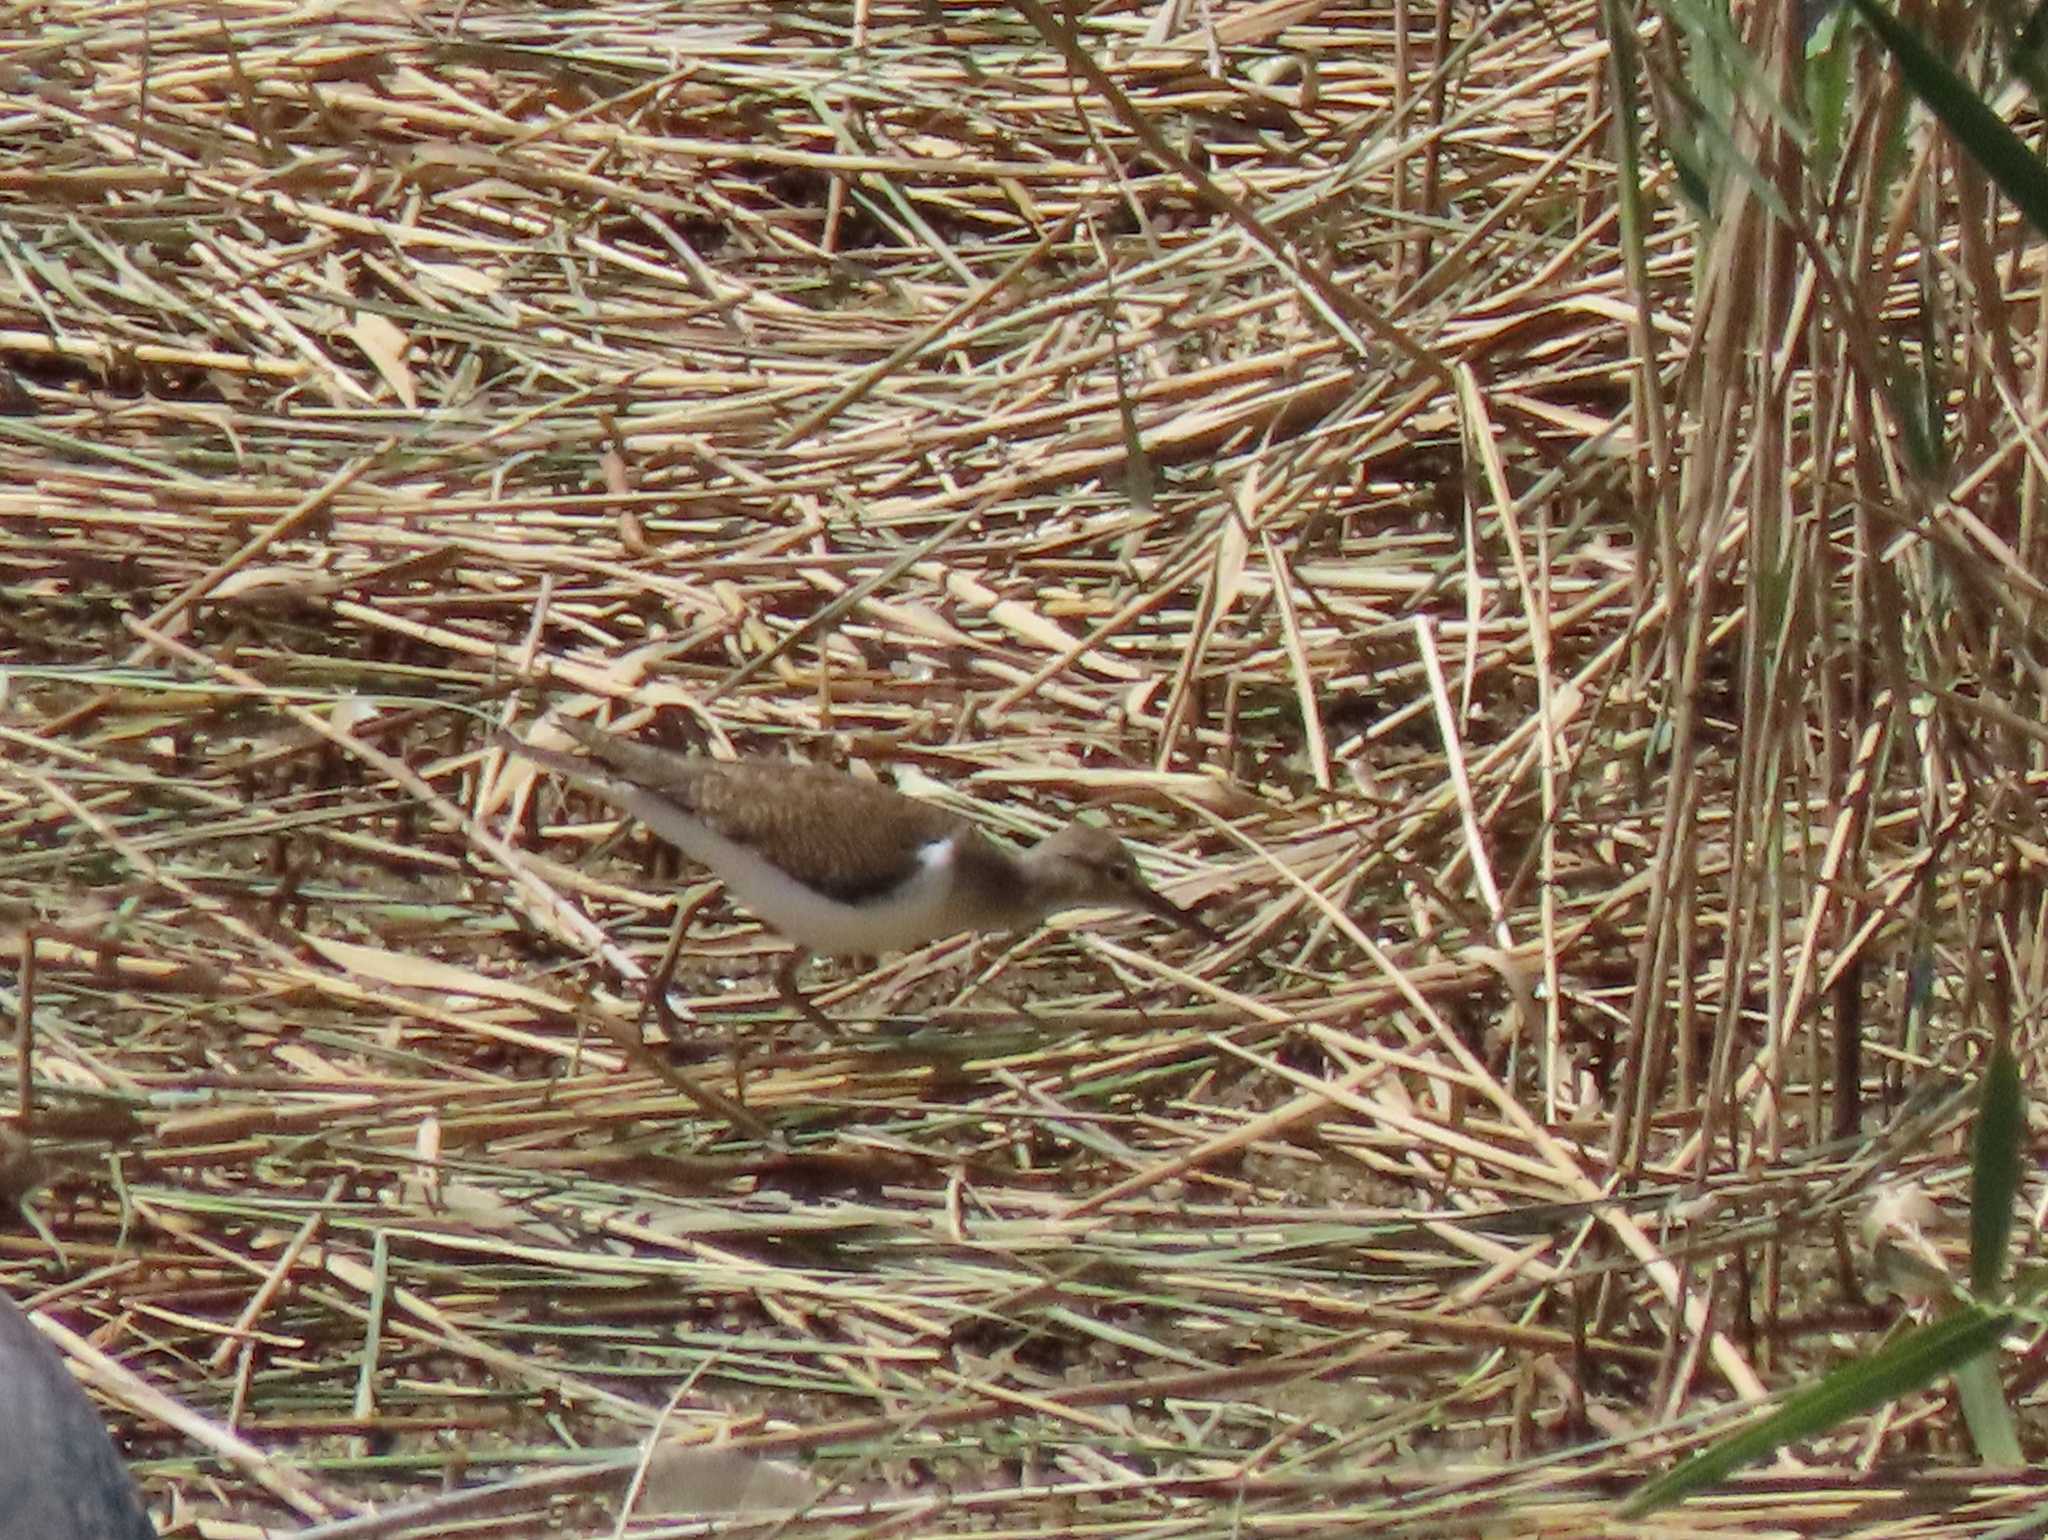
x: 60, y: 1476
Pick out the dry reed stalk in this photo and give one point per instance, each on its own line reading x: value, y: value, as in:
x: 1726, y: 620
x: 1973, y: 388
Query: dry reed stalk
x: 1545, y: 659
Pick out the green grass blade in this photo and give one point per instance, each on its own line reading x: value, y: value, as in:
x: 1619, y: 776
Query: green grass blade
x: 1995, y: 1172
x: 1912, y: 1362
x: 1979, y: 130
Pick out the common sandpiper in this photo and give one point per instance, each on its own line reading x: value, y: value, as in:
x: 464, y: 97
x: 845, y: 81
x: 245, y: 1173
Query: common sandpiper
x: 842, y: 866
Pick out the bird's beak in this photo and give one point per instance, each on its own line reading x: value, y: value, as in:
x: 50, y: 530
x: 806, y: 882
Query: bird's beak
x: 1166, y: 909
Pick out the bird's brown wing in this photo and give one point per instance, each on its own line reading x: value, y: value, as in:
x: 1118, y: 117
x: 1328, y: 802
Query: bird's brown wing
x: 848, y: 838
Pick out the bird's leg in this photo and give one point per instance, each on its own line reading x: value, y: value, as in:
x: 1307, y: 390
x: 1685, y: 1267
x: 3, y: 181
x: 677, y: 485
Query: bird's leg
x: 1017, y: 1007
x: 795, y: 998
x: 792, y: 996
x: 664, y: 972
x: 657, y: 996
x: 983, y: 982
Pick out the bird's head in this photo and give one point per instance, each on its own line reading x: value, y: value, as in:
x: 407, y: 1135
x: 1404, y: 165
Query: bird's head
x: 1084, y: 864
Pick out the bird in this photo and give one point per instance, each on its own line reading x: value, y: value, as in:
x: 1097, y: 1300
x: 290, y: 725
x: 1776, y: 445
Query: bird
x: 60, y: 1475
x: 845, y: 867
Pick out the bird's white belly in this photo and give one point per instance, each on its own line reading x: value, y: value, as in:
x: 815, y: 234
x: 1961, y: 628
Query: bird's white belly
x: 909, y: 916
